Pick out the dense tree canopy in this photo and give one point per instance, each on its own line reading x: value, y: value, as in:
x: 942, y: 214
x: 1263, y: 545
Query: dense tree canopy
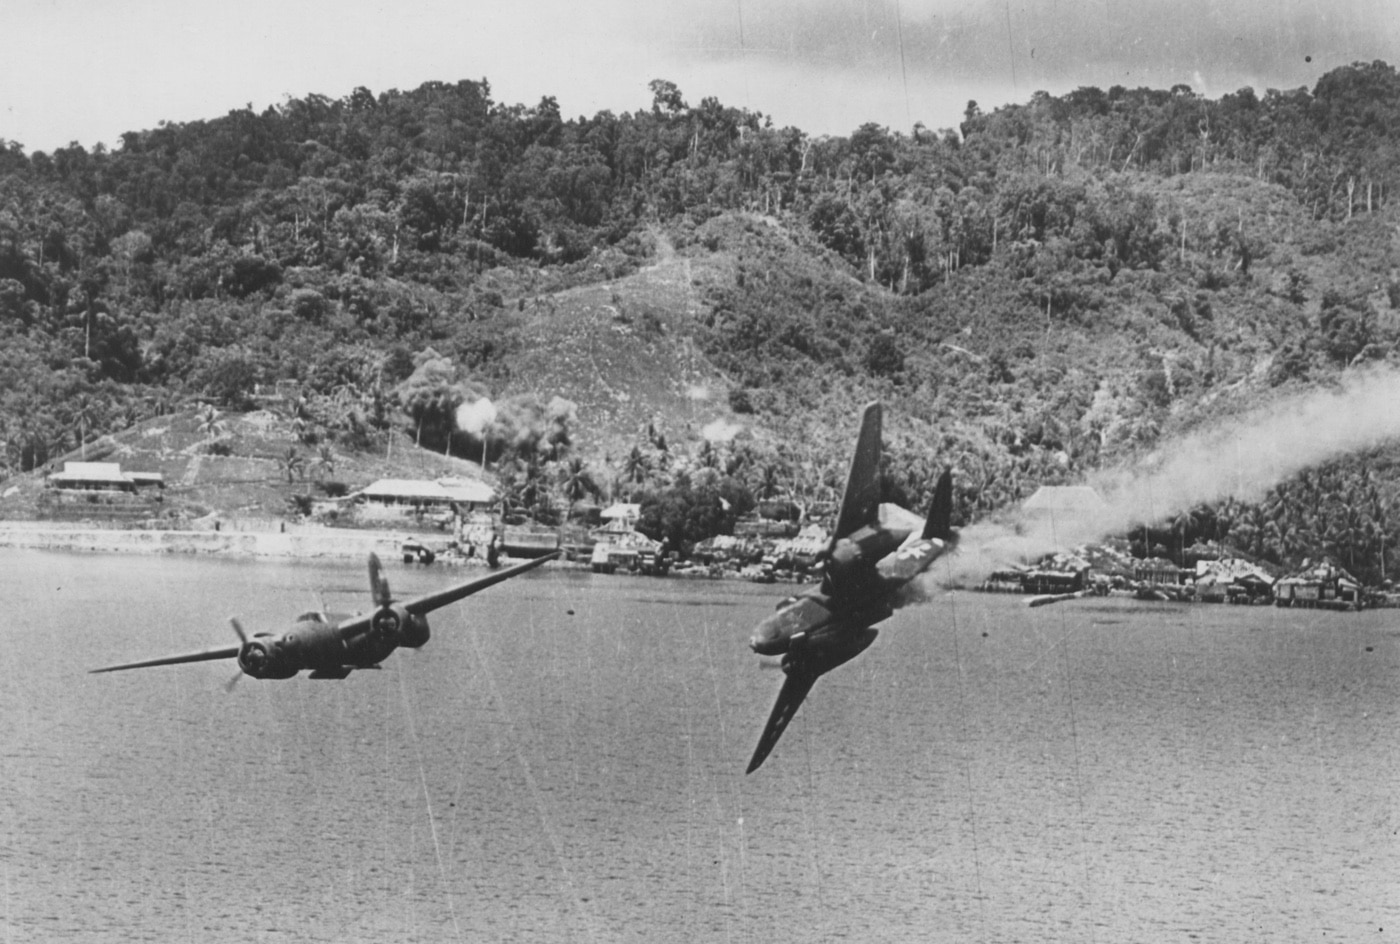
x: 377, y: 251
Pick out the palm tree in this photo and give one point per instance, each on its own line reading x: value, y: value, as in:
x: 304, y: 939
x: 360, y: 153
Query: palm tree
x: 86, y: 411
x: 738, y: 459
x: 577, y: 481
x: 770, y: 481
x: 1282, y: 536
x: 325, y: 462
x: 1186, y: 521
x: 532, y: 486
x: 1346, y: 530
x: 509, y: 486
x: 293, y: 464
x: 1252, y: 525
x: 1378, y: 525
x: 209, y: 421
x: 709, y: 457
x: 636, y: 467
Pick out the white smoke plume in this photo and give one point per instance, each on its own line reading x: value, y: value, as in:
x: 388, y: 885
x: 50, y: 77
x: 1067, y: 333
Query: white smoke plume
x: 1242, y: 457
x: 476, y: 416
x: 721, y: 431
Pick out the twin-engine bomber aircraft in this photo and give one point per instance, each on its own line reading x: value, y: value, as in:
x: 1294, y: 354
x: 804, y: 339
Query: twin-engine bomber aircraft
x: 333, y: 646
x: 866, y: 563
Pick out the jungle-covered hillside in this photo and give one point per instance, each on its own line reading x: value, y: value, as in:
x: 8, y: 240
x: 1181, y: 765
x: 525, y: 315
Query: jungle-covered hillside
x: 686, y: 299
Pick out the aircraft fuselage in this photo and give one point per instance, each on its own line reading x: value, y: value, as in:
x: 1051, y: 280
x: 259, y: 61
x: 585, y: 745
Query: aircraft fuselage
x: 315, y: 642
x: 853, y: 596
x: 866, y: 565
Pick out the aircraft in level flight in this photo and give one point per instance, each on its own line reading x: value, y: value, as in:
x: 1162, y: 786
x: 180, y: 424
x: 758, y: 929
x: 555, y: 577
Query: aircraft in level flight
x: 333, y: 646
x: 866, y: 562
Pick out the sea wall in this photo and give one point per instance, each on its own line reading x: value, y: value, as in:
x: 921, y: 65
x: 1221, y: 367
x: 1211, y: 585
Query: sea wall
x: 308, y: 543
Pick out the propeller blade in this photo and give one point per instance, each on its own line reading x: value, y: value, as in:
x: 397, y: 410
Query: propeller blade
x: 228, y: 686
x: 238, y: 628
x: 378, y: 583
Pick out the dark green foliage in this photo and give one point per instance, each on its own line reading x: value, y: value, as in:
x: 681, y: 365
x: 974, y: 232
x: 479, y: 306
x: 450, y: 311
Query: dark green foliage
x: 1073, y: 278
x: 884, y: 357
x: 1347, y: 326
x: 1343, y: 510
x: 682, y: 515
x: 226, y: 375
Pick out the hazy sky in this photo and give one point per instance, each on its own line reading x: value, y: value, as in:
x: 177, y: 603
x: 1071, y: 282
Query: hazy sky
x: 79, y: 70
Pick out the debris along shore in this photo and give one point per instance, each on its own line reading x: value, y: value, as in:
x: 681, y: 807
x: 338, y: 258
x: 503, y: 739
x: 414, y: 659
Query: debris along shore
x: 1100, y: 570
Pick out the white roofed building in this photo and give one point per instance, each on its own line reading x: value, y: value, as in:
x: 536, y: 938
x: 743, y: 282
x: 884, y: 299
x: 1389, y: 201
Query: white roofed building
x: 102, y: 477
x: 418, y: 496
x: 621, y: 517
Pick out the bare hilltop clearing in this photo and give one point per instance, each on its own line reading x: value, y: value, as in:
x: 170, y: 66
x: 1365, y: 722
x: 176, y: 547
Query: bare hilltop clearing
x: 624, y: 350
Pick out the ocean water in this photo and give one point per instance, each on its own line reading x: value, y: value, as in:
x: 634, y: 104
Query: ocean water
x: 564, y: 762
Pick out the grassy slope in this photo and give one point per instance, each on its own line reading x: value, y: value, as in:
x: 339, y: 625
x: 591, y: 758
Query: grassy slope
x: 251, y: 481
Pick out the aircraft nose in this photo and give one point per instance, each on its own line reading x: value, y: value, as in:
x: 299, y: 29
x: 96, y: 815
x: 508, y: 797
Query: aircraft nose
x: 766, y: 644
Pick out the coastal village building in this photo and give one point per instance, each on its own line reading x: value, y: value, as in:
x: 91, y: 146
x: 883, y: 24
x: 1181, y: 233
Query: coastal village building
x: 102, y: 477
x: 100, y: 489
x: 400, y: 497
x: 621, y: 517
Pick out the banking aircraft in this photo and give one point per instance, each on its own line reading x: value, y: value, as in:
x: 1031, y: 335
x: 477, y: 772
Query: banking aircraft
x: 866, y: 563
x: 333, y: 646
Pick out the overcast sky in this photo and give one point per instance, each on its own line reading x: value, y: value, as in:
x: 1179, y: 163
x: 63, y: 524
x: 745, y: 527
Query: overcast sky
x: 77, y: 70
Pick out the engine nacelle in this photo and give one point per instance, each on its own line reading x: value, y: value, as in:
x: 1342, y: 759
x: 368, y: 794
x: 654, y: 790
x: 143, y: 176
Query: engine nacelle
x: 415, y: 632
x: 391, y: 624
x: 263, y: 658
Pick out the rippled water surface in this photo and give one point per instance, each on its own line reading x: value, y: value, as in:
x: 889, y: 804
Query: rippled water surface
x: 564, y: 762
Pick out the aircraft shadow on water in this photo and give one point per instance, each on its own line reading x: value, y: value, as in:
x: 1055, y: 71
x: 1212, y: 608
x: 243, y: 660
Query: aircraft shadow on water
x: 866, y: 563
x: 334, y: 645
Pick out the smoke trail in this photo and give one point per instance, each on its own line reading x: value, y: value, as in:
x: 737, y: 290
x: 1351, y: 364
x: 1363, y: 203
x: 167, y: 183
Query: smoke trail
x: 1242, y: 457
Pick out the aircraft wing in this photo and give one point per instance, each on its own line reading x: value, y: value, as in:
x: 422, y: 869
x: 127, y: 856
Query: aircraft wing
x: 798, y: 683
x: 223, y: 652
x: 860, y: 505
x: 430, y: 602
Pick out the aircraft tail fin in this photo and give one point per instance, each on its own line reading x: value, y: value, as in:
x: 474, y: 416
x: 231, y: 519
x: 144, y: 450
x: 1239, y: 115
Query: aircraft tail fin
x: 860, y: 505
x: 940, y: 513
